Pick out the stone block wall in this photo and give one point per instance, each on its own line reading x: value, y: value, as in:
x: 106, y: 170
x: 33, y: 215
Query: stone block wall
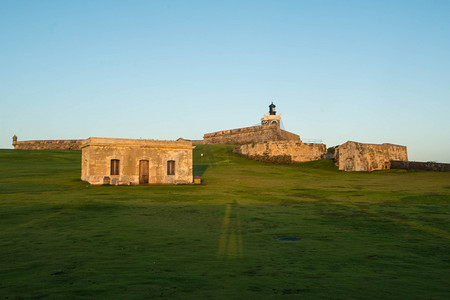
x: 353, y: 156
x: 415, y: 165
x: 97, y: 154
x: 48, y: 145
x: 282, y: 152
x: 255, y: 134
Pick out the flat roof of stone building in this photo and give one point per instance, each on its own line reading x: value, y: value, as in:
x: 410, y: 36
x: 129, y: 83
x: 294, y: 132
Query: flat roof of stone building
x: 136, y: 143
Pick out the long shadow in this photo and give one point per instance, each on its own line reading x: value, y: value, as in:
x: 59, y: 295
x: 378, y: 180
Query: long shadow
x: 230, y: 244
x: 200, y: 169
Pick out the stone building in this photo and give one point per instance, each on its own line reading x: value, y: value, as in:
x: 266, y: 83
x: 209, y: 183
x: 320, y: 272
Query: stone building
x: 132, y: 161
x: 353, y: 156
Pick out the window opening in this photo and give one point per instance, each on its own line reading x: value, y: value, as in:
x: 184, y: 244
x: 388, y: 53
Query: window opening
x: 114, y: 167
x: 170, y: 167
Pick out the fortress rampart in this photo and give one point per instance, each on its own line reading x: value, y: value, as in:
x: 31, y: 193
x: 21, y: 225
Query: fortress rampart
x: 254, y: 134
x: 282, y: 152
x: 47, y: 144
x: 416, y: 165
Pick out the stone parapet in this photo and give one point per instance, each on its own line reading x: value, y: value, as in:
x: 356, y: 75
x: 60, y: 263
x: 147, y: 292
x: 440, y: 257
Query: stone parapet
x: 254, y: 134
x: 48, y: 145
x: 416, y: 165
x: 197, y: 142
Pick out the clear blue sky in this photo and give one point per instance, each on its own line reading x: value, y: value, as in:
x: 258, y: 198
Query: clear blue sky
x: 367, y: 71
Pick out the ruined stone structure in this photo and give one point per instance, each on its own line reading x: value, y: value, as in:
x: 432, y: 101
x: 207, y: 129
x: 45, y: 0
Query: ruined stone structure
x: 131, y: 161
x: 353, y: 156
x: 283, y: 152
x: 47, y: 144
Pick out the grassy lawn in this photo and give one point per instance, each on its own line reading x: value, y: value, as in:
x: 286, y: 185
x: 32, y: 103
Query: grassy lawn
x: 379, y: 235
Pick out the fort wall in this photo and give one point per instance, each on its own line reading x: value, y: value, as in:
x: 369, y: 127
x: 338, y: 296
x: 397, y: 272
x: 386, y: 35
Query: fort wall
x: 282, y: 152
x: 254, y: 134
x: 415, y: 165
x: 197, y: 142
x: 48, y: 145
x: 353, y: 156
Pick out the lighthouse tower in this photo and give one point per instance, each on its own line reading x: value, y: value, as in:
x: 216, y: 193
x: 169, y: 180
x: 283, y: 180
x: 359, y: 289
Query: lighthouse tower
x: 271, y: 118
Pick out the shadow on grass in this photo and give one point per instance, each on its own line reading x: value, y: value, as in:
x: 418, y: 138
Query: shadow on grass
x: 200, y: 169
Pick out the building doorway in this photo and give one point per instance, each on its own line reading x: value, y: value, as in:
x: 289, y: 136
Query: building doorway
x: 143, y: 172
x: 349, y: 164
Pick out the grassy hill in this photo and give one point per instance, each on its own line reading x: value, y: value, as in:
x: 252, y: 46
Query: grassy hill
x: 379, y: 235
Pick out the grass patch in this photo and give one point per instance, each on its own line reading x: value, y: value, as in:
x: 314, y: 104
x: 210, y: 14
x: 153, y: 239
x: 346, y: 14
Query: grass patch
x: 363, y: 235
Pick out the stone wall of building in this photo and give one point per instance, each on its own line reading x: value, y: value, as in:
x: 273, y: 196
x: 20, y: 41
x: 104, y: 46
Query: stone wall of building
x: 353, y: 156
x: 98, y: 153
x: 48, y: 144
x: 416, y: 165
x: 255, y: 134
x: 282, y: 152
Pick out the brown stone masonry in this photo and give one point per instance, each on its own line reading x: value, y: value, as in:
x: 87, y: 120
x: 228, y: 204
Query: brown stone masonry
x: 132, y: 161
x: 353, y: 156
x: 47, y: 144
x: 255, y: 134
x: 282, y: 152
x: 416, y: 165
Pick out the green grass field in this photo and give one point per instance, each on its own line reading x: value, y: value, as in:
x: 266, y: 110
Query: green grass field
x: 379, y: 235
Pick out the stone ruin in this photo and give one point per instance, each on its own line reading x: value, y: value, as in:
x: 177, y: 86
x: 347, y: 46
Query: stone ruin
x: 353, y: 156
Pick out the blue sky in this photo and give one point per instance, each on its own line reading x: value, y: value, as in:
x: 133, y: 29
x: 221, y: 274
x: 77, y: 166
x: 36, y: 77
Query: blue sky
x: 367, y: 71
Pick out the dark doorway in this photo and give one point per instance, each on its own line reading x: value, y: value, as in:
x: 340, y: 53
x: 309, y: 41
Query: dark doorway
x: 349, y: 165
x: 143, y: 172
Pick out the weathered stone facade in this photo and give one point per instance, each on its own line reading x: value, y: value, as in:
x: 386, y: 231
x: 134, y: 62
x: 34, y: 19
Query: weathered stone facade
x: 282, y: 151
x: 353, y: 156
x: 47, y: 144
x: 131, y: 161
x: 254, y: 134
